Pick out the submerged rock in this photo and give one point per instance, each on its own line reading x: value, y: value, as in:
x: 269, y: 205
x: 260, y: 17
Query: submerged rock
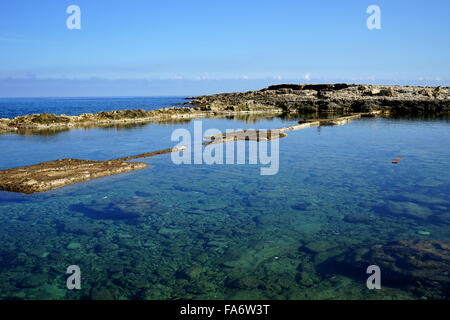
x: 143, y: 194
x: 442, y: 218
x: 79, y: 228
x: 423, y: 198
x: 169, y: 231
x: 409, y: 259
x: 301, y: 206
x: 118, y: 209
x: 307, y: 275
x: 34, y: 280
x: 420, y: 265
x: 320, y: 246
x: 407, y: 209
x: 358, y: 218
x: 101, y: 294
x: 191, y: 273
x: 74, y: 246
x: 243, y: 282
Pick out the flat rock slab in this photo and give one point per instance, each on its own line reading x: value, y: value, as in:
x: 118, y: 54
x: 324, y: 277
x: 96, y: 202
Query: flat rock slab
x: 55, y: 174
x: 265, y: 135
x: 246, y: 135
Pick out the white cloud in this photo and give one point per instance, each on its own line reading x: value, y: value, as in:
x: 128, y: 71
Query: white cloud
x: 205, y: 76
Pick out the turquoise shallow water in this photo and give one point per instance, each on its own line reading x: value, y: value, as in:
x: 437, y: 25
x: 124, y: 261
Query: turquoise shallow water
x: 225, y: 231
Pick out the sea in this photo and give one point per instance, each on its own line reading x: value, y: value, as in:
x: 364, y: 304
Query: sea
x: 336, y: 206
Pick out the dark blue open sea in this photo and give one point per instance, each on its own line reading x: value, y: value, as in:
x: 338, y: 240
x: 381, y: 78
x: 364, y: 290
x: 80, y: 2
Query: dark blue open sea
x: 13, y: 107
x: 336, y: 206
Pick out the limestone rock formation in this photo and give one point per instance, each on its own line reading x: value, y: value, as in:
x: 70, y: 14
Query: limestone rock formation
x: 333, y: 98
x: 54, y: 174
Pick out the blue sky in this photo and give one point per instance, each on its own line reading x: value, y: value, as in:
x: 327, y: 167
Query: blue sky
x: 139, y: 47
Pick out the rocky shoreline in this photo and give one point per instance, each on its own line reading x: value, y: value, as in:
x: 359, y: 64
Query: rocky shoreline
x: 37, y: 123
x: 344, y: 98
x: 277, y: 99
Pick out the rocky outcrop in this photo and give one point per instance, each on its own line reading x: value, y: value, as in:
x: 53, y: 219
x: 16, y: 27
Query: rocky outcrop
x: 345, y: 98
x: 55, y: 174
x: 44, y: 122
